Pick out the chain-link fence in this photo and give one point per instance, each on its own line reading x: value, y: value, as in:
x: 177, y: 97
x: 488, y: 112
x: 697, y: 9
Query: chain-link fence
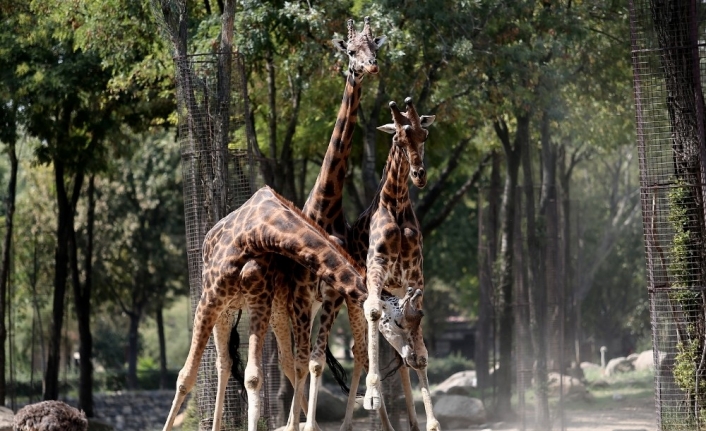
x: 668, y: 63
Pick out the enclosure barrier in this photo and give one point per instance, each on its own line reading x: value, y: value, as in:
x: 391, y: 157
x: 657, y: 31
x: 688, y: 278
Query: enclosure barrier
x: 667, y: 41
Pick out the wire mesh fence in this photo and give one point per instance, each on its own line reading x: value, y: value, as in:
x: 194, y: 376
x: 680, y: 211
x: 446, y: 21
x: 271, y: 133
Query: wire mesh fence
x: 220, y: 173
x: 668, y: 64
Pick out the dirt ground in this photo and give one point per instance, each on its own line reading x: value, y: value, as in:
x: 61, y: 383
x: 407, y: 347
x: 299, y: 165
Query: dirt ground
x: 624, y: 413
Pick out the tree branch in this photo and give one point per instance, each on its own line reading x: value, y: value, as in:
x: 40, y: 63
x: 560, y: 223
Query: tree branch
x: 455, y: 198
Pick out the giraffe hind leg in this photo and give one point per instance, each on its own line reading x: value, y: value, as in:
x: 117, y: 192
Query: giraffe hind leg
x: 224, y: 361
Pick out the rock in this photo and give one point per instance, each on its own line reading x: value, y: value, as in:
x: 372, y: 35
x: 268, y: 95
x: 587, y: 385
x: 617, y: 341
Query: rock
x: 6, y: 419
x: 632, y: 357
x: 567, y: 385
x: 589, y: 366
x: 644, y: 361
x: 329, y: 407
x: 618, y: 365
x: 98, y: 425
x: 458, y: 384
x: 458, y: 411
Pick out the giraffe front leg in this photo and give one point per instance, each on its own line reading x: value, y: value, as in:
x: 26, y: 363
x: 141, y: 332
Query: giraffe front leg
x: 409, y: 398
x: 373, y: 394
x: 432, y: 423
x: 204, y: 319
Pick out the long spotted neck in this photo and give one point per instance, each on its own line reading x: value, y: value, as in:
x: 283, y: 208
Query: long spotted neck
x: 392, y: 193
x: 324, y: 204
x: 394, y: 189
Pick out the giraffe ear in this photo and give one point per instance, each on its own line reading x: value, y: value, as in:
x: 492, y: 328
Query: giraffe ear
x: 380, y: 41
x: 340, y: 44
x: 388, y: 128
x: 427, y: 120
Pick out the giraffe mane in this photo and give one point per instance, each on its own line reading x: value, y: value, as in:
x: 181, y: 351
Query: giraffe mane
x: 359, y: 269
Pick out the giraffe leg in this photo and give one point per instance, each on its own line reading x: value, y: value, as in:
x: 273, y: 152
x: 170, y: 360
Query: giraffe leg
x: 373, y: 394
x: 207, y: 312
x: 432, y: 423
x: 259, y: 312
x: 332, y: 302
x: 221, y: 334
x: 409, y: 398
x: 279, y: 322
x: 301, y: 326
x: 360, y: 357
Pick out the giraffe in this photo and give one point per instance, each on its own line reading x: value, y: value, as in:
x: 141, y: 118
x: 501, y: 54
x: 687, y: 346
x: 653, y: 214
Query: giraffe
x: 232, y: 250
x: 299, y: 300
x: 387, y: 238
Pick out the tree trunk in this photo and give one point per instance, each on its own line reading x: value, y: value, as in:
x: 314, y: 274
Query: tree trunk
x: 678, y: 36
x: 82, y: 301
x: 133, y: 334
x: 6, y: 253
x: 61, y: 262
x: 506, y: 268
x: 488, y: 230
x: 163, y: 377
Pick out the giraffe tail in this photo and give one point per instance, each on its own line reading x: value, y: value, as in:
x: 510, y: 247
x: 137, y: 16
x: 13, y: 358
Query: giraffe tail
x: 339, y: 373
x: 237, y: 369
x: 395, y: 364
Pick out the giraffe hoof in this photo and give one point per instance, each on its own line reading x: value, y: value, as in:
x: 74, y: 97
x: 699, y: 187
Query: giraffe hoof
x: 372, y: 399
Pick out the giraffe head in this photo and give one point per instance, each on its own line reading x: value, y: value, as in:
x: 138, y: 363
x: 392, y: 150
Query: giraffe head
x: 410, y: 133
x: 400, y: 324
x: 361, y: 49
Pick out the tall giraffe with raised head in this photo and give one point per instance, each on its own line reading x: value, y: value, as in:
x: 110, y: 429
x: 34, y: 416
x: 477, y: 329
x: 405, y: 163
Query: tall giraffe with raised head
x: 386, y: 237
x: 265, y: 225
x: 323, y: 206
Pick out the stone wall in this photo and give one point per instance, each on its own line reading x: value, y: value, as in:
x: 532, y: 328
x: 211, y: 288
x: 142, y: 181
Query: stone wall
x: 132, y: 411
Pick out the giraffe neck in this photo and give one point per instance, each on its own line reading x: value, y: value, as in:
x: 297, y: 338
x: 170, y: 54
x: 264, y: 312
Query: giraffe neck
x: 394, y: 189
x: 324, y: 204
x: 392, y: 193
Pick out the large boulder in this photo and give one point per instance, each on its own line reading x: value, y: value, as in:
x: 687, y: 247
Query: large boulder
x: 644, y: 361
x: 6, y: 419
x: 459, y: 411
x: 589, y: 366
x: 618, y: 365
x: 567, y: 385
x: 329, y: 407
x: 460, y: 383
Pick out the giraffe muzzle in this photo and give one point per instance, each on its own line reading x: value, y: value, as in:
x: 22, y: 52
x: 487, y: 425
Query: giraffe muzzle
x: 419, y: 177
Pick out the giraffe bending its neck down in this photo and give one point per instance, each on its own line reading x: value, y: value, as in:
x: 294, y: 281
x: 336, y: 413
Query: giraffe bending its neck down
x: 266, y: 224
x: 388, y: 234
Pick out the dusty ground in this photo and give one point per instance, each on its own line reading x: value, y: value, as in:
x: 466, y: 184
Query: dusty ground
x: 624, y: 403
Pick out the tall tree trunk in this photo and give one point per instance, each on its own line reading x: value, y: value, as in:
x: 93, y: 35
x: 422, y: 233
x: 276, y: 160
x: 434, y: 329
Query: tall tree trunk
x: 61, y: 262
x: 6, y: 253
x: 677, y: 31
x: 488, y: 226
x: 133, y: 338
x: 82, y: 300
x: 163, y: 377
x: 506, y: 267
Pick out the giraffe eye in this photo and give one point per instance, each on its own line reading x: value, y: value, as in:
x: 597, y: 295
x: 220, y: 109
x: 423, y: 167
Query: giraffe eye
x: 351, y: 52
